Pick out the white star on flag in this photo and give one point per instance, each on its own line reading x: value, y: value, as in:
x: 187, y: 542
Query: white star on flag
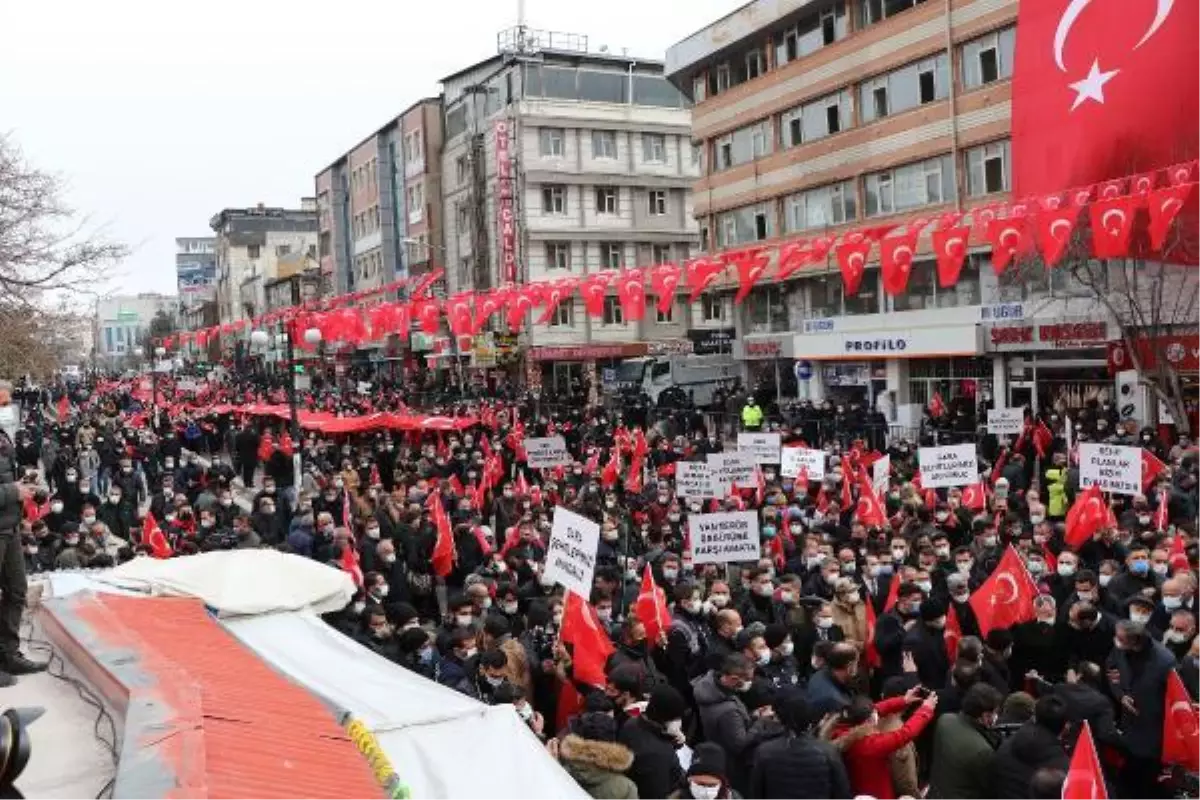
x: 1091, y: 87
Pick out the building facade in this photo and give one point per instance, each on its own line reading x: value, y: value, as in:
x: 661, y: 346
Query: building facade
x: 250, y: 243
x: 816, y: 117
x: 378, y: 205
x: 589, y: 156
x: 195, y: 269
x: 122, y: 323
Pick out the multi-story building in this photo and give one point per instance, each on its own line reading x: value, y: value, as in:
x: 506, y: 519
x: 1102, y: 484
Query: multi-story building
x: 122, y: 323
x: 589, y: 155
x: 378, y: 205
x: 195, y: 269
x: 818, y: 116
x: 249, y: 245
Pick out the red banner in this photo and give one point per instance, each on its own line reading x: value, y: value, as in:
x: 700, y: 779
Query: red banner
x: 1182, y: 352
x: 507, y: 224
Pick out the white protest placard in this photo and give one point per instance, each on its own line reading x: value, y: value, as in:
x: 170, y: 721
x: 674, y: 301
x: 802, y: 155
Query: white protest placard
x: 1113, y: 468
x: 764, y: 447
x: 948, y: 466
x: 1005, y: 421
x: 730, y: 468
x: 722, y: 538
x: 799, y: 459
x: 571, y: 556
x: 881, y: 473
x: 187, y: 385
x: 693, y: 479
x: 547, y: 451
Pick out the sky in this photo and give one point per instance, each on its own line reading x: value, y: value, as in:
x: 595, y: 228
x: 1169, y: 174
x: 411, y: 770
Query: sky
x: 159, y: 114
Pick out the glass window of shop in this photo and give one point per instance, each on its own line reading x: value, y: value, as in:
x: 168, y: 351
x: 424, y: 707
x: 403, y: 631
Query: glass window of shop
x: 962, y: 376
x: 766, y: 310
x: 866, y: 299
x: 827, y: 296
x: 924, y: 292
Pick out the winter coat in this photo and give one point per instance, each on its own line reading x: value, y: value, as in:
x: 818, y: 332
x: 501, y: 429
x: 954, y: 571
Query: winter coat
x: 853, y: 622
x: 656, y: 769
x: 867, y: 749
x: 598, y: 767
x: 903, y: 762
x: 728, y: 723
x: 1146, y: 683
x: 824, y: 694
x: 1022, y: 754
x: 799, y: 767
x: 960, y: 765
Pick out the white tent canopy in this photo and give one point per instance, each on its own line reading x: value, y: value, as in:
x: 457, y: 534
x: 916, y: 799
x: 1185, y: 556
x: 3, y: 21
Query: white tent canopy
x: 442, y: 744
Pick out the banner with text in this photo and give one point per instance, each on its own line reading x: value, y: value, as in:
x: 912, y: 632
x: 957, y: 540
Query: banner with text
x: 881, y: 473
x: 730, y: 468
x: 948, y: 466
x: 764, y: 447
x: 722, y: 538
x: 548, y: 451
x: 1113, y: 468
x: 798, y: 459
x: 571, y: 557
x: 693, y: 480
x: 1005, y: 421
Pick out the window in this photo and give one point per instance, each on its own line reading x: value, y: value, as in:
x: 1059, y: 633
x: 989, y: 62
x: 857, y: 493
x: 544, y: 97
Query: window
x: 746, y: 224
x: 464, y: 217
x: 416, y: 202
x: 461, y: 170
x: 552, y: 142
x: 907, y: 87
x: 767, y: 311
x: 866, y: 301
x: 743, y: 145
x: 606, y: 200
x: 613, y: 313
x: 811, y: 34
x: 657, y: 202
x: 722, y: 78
x: 654, y: 148
x: 660, y: 317
x: 554, y: 200
x: 987, y: 169
x: 282, y: 250
x: 252, y: 251
x: 604, y: 144
x: 929, y: 182
x: 921, y: 292
x: 564, y: 315
x: 558, y: 255
x: 611, y: 255
x: 756, y: 64
x: 816, y: 120
x: 660, y: 254
x: 988, y: 58
x: 820, y: 207
x: 872, y: 11
x: 699, y: 84
x: 712, y: 308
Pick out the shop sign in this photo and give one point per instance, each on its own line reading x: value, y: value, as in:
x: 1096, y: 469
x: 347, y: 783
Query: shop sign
x: 506, y: 223
x: 711, y: 341
x: 669, y: 347
x: 948, y: 340
x: 763, y: 348
x: 1002, y: 311
x: 588, y: 352
x: 824, y: 325
x: 1181, y: 351
x: 1048, y: 336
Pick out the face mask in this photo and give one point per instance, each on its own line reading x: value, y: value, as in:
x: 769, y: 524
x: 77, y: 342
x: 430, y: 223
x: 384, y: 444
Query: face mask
x: 72, y: 476
x: 899, y: 553
x: 207, y: 523
x: 989, y: 541
x: 925, y: 586
x: 849, y: 567
x: 494, y: 680
x: 1171, y: 603
x: 1139, y: 567
x: 511, y: 608
x: 824, y: 622
x: 611, y: 535
x: 743, y: 687
x: 604, y: 614
x: 114, y: 498
x: 31, y: 549
x: 56, y: 507
x: 1173, y: 636
x: 813, y: 560
x: 1036, y: 567
x: 719, y: 600
x: 1139, y: 617
x: 269, y: 489
x: 942, y: 516
x: 853, y: 597
x: 768, y: 532
x: 464, y: 620
x: 469, y: 653
x: 670, y: 573
x: 1086, y: 596
x: 786, y: 597
x: 89, y: 519
x: 1161, y: 569
x: 1143, y: 519
x: 71, y: 541
x: 762, y: 657
x: 964, y: 567
x: 1036, y: 519
x: 961, y: 597
x: 701, y: 792
x: 557, y: 617
x: 525, y: 712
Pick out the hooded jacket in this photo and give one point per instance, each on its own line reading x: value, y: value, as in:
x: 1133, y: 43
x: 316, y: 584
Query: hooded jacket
x: 727, y: 722
x: 867, y: 749
x: 598, y: 767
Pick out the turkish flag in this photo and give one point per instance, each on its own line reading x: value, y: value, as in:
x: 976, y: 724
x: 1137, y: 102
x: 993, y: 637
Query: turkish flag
x: 1085, y: 517
x: 460, y: 313
x: 895, y: 259
x: 153, y: 536
x: 869, y: 510
x: 1152, y: 465
x: 893, y: 592
x: 1162, y: 514
x: 1043, y: 437
x: 701, y: 272
x: 664, y: 279
x: 426, y: 313
x: 444, y: 554
x: 873, y: 658
x: 631, y: 292
x: 612, y: 470
x: 1164, y: 206
x: 64, y: 407
x: 489, y: 303
x: 1088, y: 91
x: 973, y: 497
x: 793, y: 256
x: 651, y: 609
x: 1006, y: 597
x: 593, y: 289
x: 950, y: 247
x: 590, y: 645
x: 750, y: 265
x: 1112, y: 226
x: 1009, y: 238
x: 1054, y: 229
x: 1085, y: 779
x: 852, y: 260
x: 521, y: 302
x: 553, y: 294
x: 1181, y: 743
x: 952, y: 634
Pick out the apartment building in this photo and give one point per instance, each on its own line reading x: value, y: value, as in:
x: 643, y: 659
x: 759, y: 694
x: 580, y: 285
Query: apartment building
x: 378, y: 204
x: 250, y: 242
x: 121, y: 323
x: 589, y: 154
x: 820, y: 115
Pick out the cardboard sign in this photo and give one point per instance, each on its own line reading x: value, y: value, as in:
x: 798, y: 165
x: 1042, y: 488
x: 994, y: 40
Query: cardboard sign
x: 548, y: 451
x: 948, y: 466
x: 764, y: 447
x: 571, y: 556
x: 724, y: 538
x: 797, y: 459
x: 881, y: 473
x: 187, y: 385
x: 1113, y: 468
x: 693, y: 480
x: 730, y: 468
x: 1005, y: 421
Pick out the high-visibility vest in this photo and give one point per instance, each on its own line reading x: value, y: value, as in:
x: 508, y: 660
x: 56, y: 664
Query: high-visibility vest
x: 751, y: 415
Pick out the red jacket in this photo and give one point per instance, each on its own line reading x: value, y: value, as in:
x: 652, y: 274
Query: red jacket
x: 867, y: 752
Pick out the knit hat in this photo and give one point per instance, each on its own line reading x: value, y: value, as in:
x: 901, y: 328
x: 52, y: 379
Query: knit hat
x: 666, y: 704
x: 596, y: 727
x: 775, y: 634
x: 708, y: 759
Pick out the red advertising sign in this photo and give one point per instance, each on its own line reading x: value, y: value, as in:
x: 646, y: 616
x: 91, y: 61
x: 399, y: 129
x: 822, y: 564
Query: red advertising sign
x: 506, y: 224
x: 1182, y: 352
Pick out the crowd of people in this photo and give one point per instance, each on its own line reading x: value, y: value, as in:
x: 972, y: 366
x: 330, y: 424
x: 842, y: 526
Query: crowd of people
x: 826, y: 668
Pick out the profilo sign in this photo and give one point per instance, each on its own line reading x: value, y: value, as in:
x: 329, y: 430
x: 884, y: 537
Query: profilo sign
x: 902, y: 343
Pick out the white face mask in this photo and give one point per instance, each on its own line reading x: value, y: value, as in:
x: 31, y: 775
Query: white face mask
x: 1171, y: 602
x: 1066, y: 570
x: 787, y: 648
x: 763, y: 657
x: 719, y: 600
x: 1141, y: 618
x: 704, y: 792
x: 824, y: 622
x: 464, y: 620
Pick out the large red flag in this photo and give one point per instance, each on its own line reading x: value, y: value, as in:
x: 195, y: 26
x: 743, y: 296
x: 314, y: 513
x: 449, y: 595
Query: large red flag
x: 873, y: 658
x: 1085, y: 517
x: 444, y: 553
x: 896, y: 258
x: 1085, y: 779
x: 953, y: 633
x: 651, y: 609
x: 973, y: 497
x: 869, y: 510
x: 1181, y: 721
x: 1152, y: 465
x: 631, y: 293
x: 153, y: 536
x: 1088, y: 102
x: 893, y: 591
x: 590, y: 645
x: 1006, y: 597
x: 751, y: 265
x: 349, y: 563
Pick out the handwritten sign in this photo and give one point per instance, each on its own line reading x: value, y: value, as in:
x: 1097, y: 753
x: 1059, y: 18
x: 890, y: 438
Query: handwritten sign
x: 1005, y: 421
x: 722, y: 538
x: 548, y: 451
x: 948, y: 466
x: 799, y: 459
x: 763, y: 447
x: 571, y: 557
x: 731, y: 468
x: 881, y: 473
x: 1111, y: 467
x: 693, y: 479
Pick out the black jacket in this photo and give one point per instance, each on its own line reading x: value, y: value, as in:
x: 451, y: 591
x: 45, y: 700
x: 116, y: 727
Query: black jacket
x: 655, y: 769
x: 10, y: 496
x: 1031, y: 748
x: 798, y: 767
x: 928, y: 648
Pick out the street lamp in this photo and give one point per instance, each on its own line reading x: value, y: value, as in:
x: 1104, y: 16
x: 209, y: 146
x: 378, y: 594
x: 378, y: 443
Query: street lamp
x: 159, y: 352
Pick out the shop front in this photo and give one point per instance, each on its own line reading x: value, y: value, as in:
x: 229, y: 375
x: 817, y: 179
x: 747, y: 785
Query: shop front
x: 1163, y: 357
x: 1061, y: 364
x: 712, y: 341
x: 561, y: 370
x: 767, y: 360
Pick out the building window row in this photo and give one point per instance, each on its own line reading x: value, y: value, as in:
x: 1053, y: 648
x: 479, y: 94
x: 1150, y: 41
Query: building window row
x: 612, y: 255
x: 364, y: 176
x: 552, y: 143
x: 366, y: 222
x: 369, y: 265
x: 607, y: 201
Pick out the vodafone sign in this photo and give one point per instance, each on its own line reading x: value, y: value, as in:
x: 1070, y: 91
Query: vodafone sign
x: 1181, y: 352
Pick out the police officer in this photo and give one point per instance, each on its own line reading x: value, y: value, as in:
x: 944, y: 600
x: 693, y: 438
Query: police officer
x: 752, y: 415
x: 12, y: 562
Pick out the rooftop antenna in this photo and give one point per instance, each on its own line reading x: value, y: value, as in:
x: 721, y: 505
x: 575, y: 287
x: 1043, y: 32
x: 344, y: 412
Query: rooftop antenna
x: 522, y: 44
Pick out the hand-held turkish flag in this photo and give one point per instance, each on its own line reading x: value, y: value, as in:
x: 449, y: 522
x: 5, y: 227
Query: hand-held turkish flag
x: 1112, y: 226
x: 750, y: 265
x: 1006, y: 597
x: 1043, y: 437
x: 651, y: 609
x: 664, y: 279
x: 1054, y: 229
x: 1085, y: 517
x: 444, y: 553
x: 950, y: 247
x: 1102, y: 90
x: 1152, y: 465
x: 852, y: 261
x: 590, y: 645
x: 1085, y: 779
x: 869, y: 510
x: 155, y: 539
x: 953, y: 634
x: 874, y: 660
x: 973, y: 497
x: 631, y: 292
x: 1181, y: 721
x: 1162, y: 514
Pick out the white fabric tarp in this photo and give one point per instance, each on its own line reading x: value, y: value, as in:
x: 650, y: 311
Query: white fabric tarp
x: 441, y: 743
x: 240, y: 582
